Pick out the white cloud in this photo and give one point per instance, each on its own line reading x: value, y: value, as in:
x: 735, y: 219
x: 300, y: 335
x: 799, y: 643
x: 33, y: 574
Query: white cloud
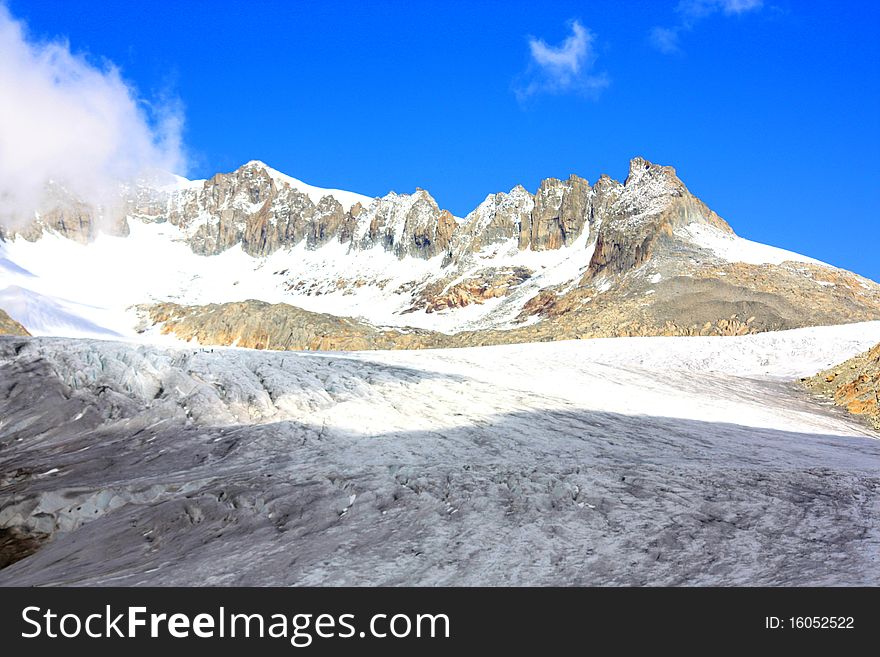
x: 739, y: 6
x: 667, y: 39
x: 567, y: 67
x: 699, y: 8
x: 65, y: 119
x: 564, y: 60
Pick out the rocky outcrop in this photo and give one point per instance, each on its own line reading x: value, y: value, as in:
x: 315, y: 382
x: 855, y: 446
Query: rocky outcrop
x: 729, y: 299
x: 499, y: 218
x: 637, y: 258
x: 261, y: 210
x: 260, y: 325
x: 264, y: 211
x: 715, y: 308
x: 9, y: 326
x: 644, y: 211
x: 248, y: 207
x: 406, y: 224
x: 854, y: 385
x: 488, y: 284
x: 63, y: 213
x: 560, y: 212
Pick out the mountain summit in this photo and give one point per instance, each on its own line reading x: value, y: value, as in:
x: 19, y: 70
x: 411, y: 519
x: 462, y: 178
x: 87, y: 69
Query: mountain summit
x: 257, y: 258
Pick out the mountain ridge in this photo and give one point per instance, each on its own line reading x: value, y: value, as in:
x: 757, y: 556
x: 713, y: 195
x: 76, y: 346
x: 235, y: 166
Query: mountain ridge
x: 251, y: 203
x: 574, y: 259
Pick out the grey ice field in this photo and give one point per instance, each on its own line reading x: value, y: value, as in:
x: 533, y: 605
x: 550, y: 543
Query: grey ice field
x: 645, y: 461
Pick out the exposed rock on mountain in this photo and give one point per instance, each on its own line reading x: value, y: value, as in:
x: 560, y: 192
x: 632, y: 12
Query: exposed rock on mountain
x: 487, y: 284
x: 642, y: 257
x: 9, y: 326
x: 560, y: 212
x: 61, y: 212
x: 647, y: 209
x: 854, y: 385
x: 251, y: 207
x: 407, y: 225
x: 499, y: 218
x: 733, y: 300
x: 259, y: 325
x: 770, y: 297
x: 264, y: 211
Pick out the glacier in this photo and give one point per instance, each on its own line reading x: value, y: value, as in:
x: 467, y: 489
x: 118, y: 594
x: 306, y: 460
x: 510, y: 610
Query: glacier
x: 625, y: 461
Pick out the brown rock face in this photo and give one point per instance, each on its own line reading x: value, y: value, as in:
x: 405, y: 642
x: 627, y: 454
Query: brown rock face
x: 645, y: 211
x: 258, y: 209
x: 73, y: 221
x: 499, y: 218
x: 9, y: 326
x: 326, y: 224
x: 854, y: 385
x: 445, y: 231
x: 260, y: 325
x: 489, y: 284
x: 16, y: 544
x: 263, y: 213
x: 70, y: 217
x: 560, y: 212
x: 250, y: 208
x: 427, y: 232
x: 544, y: 304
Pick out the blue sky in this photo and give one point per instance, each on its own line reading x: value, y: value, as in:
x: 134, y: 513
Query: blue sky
x: 770, y: 111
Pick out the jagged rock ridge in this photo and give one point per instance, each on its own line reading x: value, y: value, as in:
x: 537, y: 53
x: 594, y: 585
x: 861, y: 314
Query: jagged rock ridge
x: 642, y: 257
x: 260, y: 209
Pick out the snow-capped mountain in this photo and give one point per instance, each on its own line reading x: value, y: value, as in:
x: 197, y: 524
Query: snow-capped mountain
x: 669, y: 460
x: 257, y: 258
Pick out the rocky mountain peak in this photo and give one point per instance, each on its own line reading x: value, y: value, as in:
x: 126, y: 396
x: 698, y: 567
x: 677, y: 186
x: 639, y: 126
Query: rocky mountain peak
x: 570, y: 259
x: 654, y: 179
x: 264, y: 210
x: 643, y: 214
x: 499, y: 218
x: 560, y: 213
x: 639, y: 168
x: 255, y: 164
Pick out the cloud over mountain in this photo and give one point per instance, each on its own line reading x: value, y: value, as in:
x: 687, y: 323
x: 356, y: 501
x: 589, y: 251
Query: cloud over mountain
x: 75, y: 122
x: 567, y: 67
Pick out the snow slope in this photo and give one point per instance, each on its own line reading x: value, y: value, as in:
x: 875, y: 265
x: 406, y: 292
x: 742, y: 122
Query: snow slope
x: 52, y: 316
x: 616, y: 461
x: 100, y: 282
x: 734, y: 248
x: 346, y: 199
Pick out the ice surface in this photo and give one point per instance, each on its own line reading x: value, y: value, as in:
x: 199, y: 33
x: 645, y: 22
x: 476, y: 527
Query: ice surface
x: 616, y: 461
